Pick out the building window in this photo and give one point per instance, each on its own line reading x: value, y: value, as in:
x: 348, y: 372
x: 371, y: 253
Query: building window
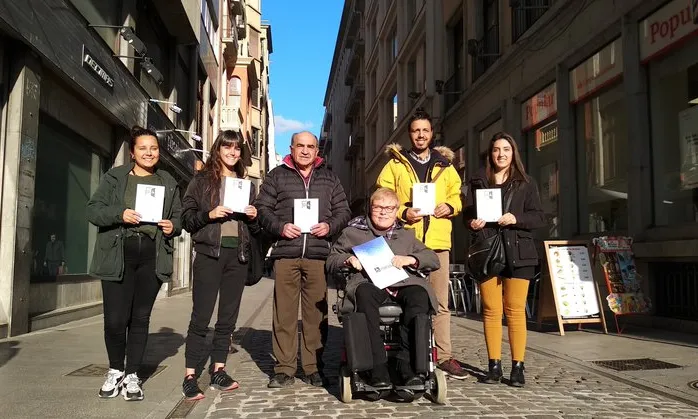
x: 234, y: 86
x: 254, y: 96
x: 485, y: 137
x: 68, y: 172
x: 394, y: 112
x: 151, y: 30
x: 542, y: 149
x: 525, y: 13
x: 254, y: 142
x: 100, y: 12
x: 254, y: 44
x: 454, y: 84
x: 488, y: 45
x: 393, y: 45
x: 602, y: 131
x: 674, y: 116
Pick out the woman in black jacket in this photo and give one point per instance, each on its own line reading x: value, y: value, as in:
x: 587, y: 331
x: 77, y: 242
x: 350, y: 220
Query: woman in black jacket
x: 132, y: 257
x: 504, y: 170
x: 222, y: 243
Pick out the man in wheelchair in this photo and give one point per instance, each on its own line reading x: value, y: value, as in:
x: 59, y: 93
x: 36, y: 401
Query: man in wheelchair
x: 413, y: 294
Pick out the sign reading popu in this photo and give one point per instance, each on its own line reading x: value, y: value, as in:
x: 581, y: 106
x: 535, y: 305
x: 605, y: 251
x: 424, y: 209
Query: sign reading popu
x: 675, y: 21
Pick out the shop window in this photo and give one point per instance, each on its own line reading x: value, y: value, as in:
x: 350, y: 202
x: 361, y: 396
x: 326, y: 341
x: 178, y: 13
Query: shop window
x: 602, y: 129
x: 674, y: 116
x: 68, y: 172
x: 543, y: 151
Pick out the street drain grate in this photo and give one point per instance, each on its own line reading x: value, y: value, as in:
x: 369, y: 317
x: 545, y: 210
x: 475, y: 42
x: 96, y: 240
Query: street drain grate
x: 100, y: 370
x: 693, y: 385
x: 635, y: 364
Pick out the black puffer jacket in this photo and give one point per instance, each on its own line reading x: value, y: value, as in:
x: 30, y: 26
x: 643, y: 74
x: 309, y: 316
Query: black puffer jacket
x: 206, y: 234
x: 525, y: 206
x: 275, y: 206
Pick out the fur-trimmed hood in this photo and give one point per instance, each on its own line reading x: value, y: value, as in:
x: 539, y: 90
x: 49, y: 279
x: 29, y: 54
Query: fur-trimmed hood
x: 445, y: 154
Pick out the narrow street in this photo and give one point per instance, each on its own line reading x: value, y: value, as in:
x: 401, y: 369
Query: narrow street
x: 43, y: 374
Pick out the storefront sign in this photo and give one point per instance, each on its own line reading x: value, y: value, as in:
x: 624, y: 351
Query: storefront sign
x: 96, y: 68
x: 597, y: 71
x: 540, y: 107
x: 675, y: 21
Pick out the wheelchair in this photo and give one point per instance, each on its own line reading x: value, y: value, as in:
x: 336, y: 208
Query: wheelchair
x: 354, y: 371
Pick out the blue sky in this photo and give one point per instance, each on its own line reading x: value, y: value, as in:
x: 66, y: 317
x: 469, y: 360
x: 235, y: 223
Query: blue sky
x: 303, y: 36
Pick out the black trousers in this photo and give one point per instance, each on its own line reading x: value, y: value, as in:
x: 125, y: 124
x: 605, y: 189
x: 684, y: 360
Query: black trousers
x: 128, y: 304
x: 413, y: 299
x: 213, y: 276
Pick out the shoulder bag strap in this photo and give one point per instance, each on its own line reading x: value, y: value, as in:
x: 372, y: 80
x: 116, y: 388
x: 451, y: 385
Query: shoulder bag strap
x: 443, y: 169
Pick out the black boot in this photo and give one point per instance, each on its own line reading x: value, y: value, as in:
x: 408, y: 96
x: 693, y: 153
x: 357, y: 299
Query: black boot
x: 380, y: 377
x: 494, y: 375
x: 517, y: 374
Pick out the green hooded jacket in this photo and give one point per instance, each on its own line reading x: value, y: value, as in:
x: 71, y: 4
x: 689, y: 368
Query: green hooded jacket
x: 105, y: 210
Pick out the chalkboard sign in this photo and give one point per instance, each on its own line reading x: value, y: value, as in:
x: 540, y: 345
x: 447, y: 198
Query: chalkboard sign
x: 574, y: 290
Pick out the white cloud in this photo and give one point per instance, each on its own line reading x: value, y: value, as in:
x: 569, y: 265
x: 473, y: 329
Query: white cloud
x: 282, y: 125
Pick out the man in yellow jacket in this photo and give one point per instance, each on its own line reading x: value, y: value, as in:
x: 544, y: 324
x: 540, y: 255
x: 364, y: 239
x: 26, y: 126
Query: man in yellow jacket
x: 423, y: 164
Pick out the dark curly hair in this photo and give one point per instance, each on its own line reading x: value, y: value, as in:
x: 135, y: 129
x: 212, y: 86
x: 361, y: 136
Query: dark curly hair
x: 419, y: 115
x: 138, y: 131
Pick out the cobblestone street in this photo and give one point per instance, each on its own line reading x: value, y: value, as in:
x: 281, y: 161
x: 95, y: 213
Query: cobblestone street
x: 553, y: 389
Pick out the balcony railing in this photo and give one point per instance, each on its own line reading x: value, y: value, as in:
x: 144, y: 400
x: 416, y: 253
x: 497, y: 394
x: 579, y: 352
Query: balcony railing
x: 526, y: 14
x: 230, y: 118
x: 488, y: 52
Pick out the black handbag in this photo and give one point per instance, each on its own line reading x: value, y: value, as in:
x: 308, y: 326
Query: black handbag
x: 259, y: 246
x: 487, y: 258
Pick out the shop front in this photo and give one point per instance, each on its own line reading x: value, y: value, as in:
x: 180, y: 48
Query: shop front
x: 540, y: 146
x: 669, y: 53
x: 598, y: 97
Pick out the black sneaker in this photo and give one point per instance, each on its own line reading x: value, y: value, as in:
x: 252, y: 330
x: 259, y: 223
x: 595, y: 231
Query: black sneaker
x: 220, y: 380
x: 314, y: 379
x: 190, y: 388
x: 281, y: 380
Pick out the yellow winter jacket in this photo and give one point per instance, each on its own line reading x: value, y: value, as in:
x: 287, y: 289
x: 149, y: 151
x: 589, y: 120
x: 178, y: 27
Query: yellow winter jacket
x: 399, y: 175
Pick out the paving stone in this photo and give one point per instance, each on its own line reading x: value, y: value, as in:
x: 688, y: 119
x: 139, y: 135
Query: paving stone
x: 554, y: 389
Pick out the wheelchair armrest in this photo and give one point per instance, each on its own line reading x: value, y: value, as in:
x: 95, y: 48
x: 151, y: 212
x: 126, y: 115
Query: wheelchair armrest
x: 422, y: 273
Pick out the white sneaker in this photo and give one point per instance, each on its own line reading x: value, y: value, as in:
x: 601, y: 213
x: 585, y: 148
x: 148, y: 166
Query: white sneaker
x: 131, y: 388
x: 112, y: 385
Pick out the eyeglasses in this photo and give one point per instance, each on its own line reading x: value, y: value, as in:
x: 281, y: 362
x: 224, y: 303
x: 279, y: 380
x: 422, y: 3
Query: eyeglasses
x: 381, y: 209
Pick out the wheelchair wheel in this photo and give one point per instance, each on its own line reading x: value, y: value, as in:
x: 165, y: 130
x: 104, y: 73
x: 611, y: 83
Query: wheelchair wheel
x: 439, y: 393
x: 344, y: 384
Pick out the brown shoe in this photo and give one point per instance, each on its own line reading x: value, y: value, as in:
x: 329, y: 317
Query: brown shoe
x: 453, y: 369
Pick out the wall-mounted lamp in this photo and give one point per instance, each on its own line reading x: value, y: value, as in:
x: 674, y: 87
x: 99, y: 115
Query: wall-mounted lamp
x: 173, y: 105
x: 129, y: 36
x: 148, y: 66
x: 194, y: 135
